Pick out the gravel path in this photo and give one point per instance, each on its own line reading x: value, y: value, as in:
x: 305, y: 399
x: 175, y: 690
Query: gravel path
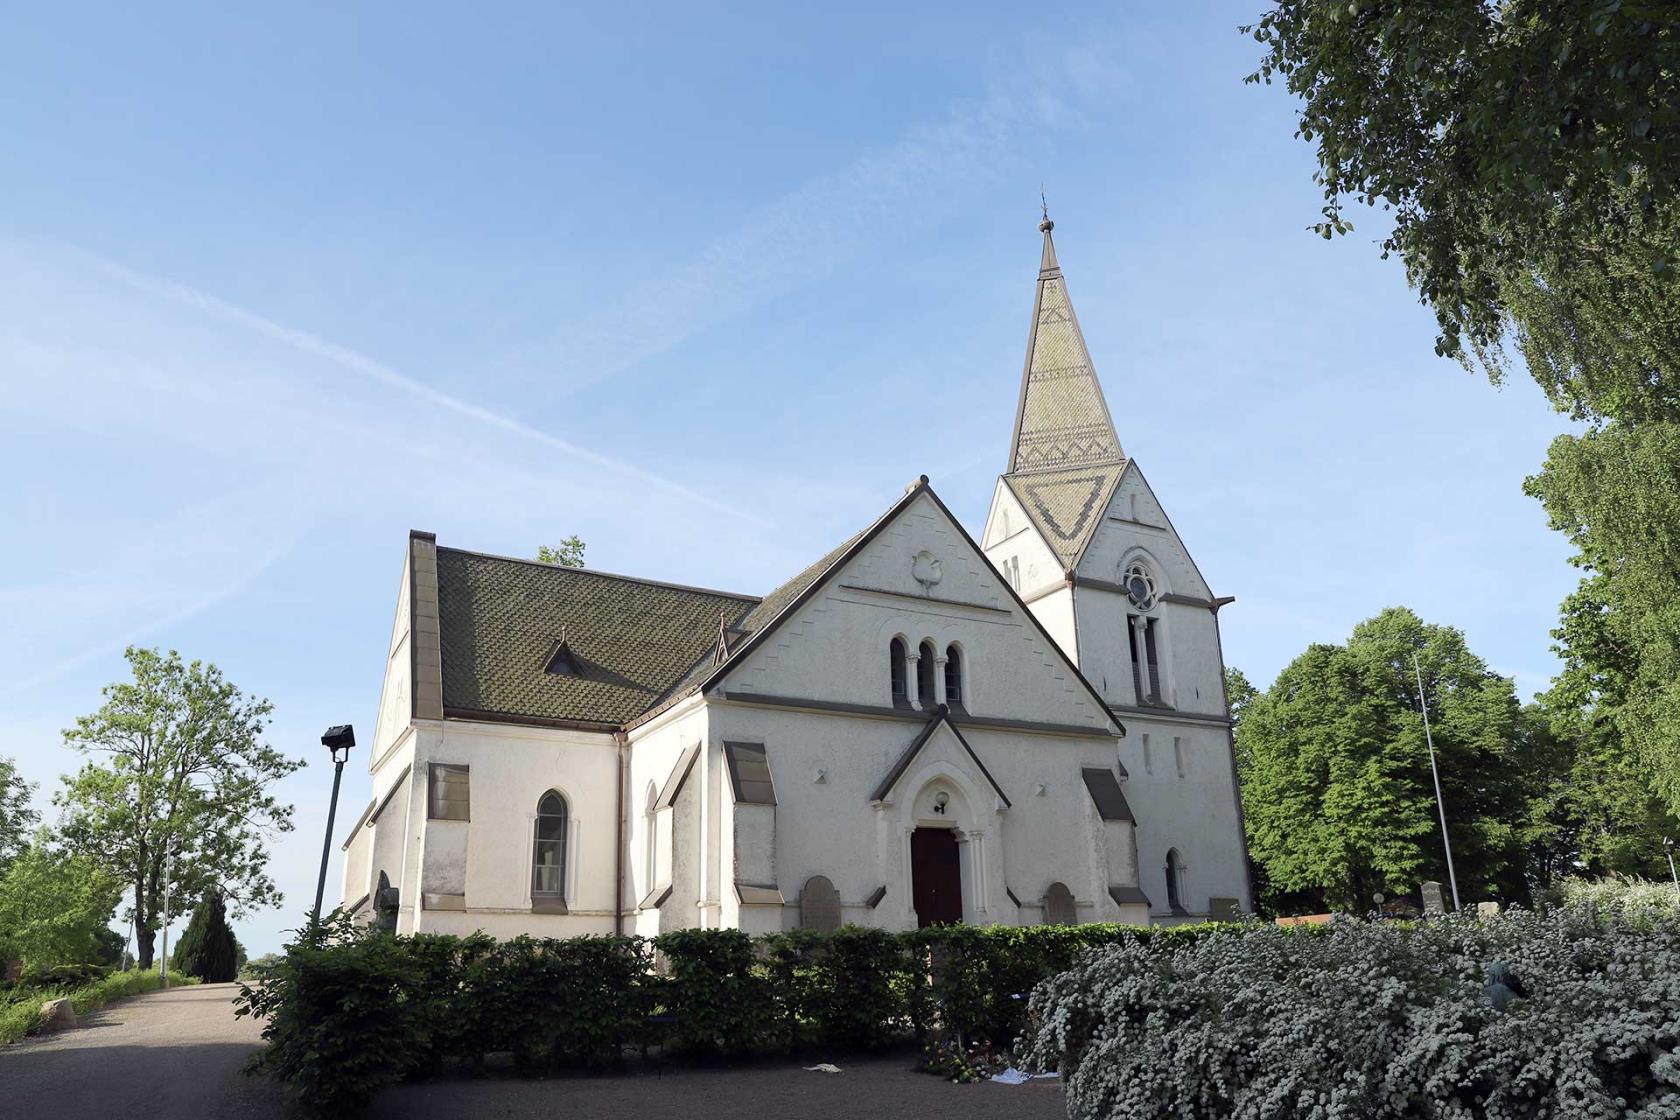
x: 166, y: 1054
x: 178, y: 1054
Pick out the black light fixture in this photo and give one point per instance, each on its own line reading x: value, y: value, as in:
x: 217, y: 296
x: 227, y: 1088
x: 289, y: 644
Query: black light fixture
x: 338, y: 740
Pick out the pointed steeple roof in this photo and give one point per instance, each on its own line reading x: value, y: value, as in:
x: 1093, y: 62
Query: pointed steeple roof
x: 1065, y: 458
x: 1062, y: 420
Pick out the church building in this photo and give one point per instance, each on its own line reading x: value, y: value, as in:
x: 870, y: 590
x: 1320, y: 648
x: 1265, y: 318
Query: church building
x: 1019, y: 726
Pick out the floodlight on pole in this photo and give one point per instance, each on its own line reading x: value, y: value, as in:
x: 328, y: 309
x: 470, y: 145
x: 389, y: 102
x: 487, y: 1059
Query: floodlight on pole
x: 1440, y: 805
x: 338, y: 740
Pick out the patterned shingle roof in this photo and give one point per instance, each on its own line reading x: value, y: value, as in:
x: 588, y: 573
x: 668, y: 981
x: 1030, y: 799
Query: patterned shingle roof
x: 1066, y: 457
x: 1067, y: 505
x: 631, y: 640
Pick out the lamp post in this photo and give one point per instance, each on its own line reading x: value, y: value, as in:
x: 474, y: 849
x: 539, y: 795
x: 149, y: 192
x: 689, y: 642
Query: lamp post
x: 1440, y: 805
x: 338, y: 740
x: 1668, y: 848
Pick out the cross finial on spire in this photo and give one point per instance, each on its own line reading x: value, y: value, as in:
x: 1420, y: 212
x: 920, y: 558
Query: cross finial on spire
x: 1046, y: 225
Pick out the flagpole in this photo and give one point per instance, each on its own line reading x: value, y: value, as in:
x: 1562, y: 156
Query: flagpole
x: 1440, y: 805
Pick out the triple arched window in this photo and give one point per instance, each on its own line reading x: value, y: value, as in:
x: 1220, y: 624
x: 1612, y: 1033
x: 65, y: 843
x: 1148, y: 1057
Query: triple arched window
x: 548, y: 858
x: 929, y: 673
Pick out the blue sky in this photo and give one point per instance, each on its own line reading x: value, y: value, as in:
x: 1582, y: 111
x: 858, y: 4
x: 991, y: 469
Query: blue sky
x: 706, y: 287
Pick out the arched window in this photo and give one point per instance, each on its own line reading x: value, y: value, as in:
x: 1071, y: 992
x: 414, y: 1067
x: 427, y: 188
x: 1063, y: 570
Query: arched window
x: 924, y: 674
x: 1175, y: 881
x: 548, y: 861
x: 900, y: 676
x: 953, y: 677
x: 1143, y: 635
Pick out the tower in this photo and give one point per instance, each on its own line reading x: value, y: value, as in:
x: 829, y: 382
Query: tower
x: 1077, y: 531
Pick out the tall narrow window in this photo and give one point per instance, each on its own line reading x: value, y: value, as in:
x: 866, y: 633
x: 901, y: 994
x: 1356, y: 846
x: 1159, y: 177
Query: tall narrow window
x: 1175, y: 881
x: 900, y: 675
x: 548, y: 861
x: 953, y: 677
x: 1154, y: 651
x: 447, y: 797
x: 1138, y: 677
x: 924, y: 674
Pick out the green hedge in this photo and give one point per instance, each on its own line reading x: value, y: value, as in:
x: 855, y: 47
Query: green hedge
x: 350, y: 1010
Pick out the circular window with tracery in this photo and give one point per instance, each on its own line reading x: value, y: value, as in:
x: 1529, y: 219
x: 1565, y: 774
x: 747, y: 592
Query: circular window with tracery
x: 1139, y: 585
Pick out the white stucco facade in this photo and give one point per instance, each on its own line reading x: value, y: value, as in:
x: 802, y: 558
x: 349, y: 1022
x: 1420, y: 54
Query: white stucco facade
x: 928, y: 723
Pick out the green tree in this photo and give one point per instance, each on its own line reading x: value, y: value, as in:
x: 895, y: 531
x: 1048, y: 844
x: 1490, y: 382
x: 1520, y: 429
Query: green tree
x: 1337, y: 790
x: 568, y: 553
x: 53, y: 907
x: 1608, y: 804
x: 1529, y: 155
x: 183, y: 786
x: 17, y: 819
x: 208, y: 949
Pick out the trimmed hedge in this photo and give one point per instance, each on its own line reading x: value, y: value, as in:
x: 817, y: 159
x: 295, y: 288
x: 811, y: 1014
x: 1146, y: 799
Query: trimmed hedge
x: 350, y: 1010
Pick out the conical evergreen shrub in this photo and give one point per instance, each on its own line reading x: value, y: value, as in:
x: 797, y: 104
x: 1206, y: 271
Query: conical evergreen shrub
x: 207, y: 949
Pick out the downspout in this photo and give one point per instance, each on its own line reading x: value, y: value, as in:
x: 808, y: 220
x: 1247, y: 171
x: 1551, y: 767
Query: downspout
x: 622, y: 739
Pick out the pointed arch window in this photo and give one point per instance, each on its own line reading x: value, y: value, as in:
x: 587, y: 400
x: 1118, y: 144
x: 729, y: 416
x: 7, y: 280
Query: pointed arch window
x: 548, y: 858
x: 953, y: 677
x: 1175, y: 881
x: 900, y: 673
x: 925, y: 668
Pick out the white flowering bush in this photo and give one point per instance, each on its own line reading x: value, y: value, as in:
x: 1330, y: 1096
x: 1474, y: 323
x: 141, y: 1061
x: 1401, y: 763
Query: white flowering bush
x: 1367, y: 1020
x: 1629, y: 896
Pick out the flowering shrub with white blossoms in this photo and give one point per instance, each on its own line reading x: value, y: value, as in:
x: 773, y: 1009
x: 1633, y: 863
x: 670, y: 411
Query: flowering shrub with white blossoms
x: 1366, y: 1020
x: 1634, y: 898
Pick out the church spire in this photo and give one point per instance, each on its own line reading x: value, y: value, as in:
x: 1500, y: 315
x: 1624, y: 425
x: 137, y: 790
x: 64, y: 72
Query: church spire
x: 1062, y: 421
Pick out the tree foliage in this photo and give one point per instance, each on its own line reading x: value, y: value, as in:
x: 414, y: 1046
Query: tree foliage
x: 17, y: 818
x: 1529, y: 153
x: 568, y: 553
x: 1337, y: 792
x: 208, y: 949
x: 54, y: 906
x: 183, y: 774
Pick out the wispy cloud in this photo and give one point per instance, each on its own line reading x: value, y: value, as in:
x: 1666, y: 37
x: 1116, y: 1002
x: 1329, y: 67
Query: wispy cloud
x: 808, y: 233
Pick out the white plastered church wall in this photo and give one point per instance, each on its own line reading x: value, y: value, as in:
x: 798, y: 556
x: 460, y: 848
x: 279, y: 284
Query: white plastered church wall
x: 1182, y: 783
x: 834, y: 649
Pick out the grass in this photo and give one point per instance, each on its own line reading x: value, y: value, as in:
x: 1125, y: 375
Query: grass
x: 20, y: 1012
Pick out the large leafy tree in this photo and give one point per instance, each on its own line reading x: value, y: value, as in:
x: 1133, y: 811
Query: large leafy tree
x: 17, y: 818
x: 54, y: 907
x: 1529, y: 154
x: 178, y: 782
x: 1607, y: 808
x: 1337, y: 790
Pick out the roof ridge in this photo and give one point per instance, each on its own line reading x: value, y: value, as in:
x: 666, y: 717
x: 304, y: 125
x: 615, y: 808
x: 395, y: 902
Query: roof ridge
x: 604, y: 574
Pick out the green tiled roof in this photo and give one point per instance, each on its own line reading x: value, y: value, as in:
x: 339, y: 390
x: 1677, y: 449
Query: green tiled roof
x: 631, y: 640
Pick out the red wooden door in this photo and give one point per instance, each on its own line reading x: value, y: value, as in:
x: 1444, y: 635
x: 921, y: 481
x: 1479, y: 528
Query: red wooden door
x: 936, y: 873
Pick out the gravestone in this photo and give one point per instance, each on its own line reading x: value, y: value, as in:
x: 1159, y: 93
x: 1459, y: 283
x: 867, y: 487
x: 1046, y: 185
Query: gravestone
x: 819, y: 905
x: 1224, y: 909
x: 1058, y: 906
x: 1434, y: 901
x: 1487, y: 909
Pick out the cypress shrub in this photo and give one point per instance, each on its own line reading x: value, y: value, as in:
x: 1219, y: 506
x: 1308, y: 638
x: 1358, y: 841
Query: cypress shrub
x: 208, y: 949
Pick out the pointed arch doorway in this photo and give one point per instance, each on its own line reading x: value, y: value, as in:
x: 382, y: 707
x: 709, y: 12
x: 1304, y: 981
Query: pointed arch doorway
x: 936, y: 876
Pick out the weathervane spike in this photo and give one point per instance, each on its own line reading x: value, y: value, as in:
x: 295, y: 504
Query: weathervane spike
x: 1046, y: 225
